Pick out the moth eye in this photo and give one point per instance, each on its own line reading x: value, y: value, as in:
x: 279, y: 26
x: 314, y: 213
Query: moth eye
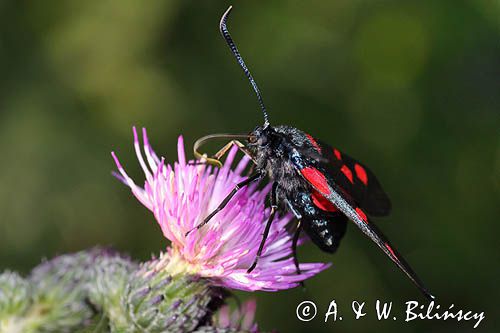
x: 252, y: 138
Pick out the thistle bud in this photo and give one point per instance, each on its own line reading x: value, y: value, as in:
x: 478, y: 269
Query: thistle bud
x: 59, y: 292
x: 14, y: 300
x: 106, y: 290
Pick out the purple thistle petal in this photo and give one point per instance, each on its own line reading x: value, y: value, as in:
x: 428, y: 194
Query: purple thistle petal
x: 248, y: 314
x: 119, y: 177
x: 153, y: 160
x: 140, y: 157
x: 180, y: 151
x: 239, y: 319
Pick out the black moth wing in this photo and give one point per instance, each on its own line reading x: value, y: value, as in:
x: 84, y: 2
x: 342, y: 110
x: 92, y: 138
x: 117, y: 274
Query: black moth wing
x: 355, y: 178
x: 322, y: 181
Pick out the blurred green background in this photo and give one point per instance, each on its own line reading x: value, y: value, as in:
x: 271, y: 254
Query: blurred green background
x: 412, y: 88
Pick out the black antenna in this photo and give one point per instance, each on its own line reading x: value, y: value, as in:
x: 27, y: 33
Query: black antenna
x: 237, y: 55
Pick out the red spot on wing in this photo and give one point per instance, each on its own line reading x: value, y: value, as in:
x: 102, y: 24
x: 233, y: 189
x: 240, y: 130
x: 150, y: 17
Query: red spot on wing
x: 314, y: 143
x: 347, y: 172
x: 316, y: 178
x: 361, y: 215
x: 361, y: 173
x: 322, y: 203
x: 391, y: 250
x: 337, y: 154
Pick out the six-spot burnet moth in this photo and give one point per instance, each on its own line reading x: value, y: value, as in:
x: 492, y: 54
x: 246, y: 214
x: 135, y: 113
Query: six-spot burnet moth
x: 319, y: 184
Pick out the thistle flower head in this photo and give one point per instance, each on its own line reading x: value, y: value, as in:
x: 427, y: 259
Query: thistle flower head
x: 183, y: 194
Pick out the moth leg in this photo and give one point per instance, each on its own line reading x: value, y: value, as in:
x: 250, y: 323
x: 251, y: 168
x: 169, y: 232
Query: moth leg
x: 215, y: 159
x: 228, y: 146
x: 298, y: 216
x: 294, y: 246
x: 294, y: 251
x: 296, y: 235
x: 274, y: 207
x: 226, y: 200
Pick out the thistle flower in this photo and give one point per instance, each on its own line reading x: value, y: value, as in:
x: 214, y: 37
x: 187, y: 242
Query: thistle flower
x: 182, y: 195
